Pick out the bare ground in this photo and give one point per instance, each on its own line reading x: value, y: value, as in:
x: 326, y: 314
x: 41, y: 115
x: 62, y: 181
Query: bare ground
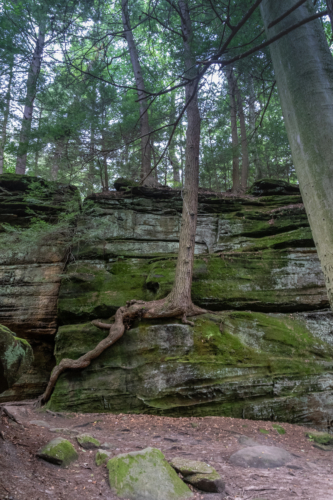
x: 211, y: 439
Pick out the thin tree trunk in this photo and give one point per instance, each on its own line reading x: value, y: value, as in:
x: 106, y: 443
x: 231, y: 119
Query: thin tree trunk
x: 330, y: 11
x: 252, y: 117
x: 34, y: 70
x: 59, y: 146
x: 105, y: 165
x: 234, y: 134
x: 303, y: 68
x: 172, y: 148
x: 5, y: 120
x: 245, y: 153
x: 144, y: 119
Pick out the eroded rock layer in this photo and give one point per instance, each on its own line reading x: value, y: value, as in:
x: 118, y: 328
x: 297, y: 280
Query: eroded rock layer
x: 32, y: 259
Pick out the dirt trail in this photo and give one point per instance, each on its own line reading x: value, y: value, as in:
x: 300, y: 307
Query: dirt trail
x: 210, y: 439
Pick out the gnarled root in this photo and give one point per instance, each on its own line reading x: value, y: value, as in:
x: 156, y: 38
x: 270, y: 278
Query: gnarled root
x: 123, y: 318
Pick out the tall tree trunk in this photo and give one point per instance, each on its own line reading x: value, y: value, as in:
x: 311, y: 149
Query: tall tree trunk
x: 303, y: 68
x: 253, y: 145
x: 34, y: 70
x: 105, y: 164
x: 5, y: 119
x: 330, y: 11
x: 181, y: 292
x: 172, y: 149
x: 234, y: 134
x: 144, y: 119
x: 245, y: 152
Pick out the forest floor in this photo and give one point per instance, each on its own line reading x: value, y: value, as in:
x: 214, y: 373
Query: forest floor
x: 211, y: 439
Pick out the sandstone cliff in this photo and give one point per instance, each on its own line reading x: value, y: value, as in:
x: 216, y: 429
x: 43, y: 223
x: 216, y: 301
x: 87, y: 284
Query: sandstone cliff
x: 266, y: 351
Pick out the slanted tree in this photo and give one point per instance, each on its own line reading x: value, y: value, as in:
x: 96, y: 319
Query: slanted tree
x: 303, y: 68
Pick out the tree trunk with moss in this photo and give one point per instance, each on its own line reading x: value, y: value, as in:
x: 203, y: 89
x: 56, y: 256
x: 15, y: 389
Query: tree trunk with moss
x: 3, y: 138
x: 303, y: 68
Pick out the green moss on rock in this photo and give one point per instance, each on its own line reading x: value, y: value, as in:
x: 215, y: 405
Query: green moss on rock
x: 145, y: 475
x: 88, y: 442
x: 320, y: 437
x: 101, y: 457
x: 16, y: 357
x: 59, y: 451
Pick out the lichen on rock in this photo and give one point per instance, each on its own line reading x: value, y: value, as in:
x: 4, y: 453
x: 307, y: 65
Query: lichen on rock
x: 16, y: 357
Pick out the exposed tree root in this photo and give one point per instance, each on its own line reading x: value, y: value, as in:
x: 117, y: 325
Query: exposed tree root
x: 124, y: 317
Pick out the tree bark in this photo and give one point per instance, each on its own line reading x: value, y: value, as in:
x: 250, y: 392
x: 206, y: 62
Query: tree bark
x: 245, y: 153
x: 172, y: 148
x: 253, y: 146
x: 144, y: 119
x: 5, y: 119
x: 303, y: 67
x: 330, y: 11
x: 234, y: 133
x: 21, y: 162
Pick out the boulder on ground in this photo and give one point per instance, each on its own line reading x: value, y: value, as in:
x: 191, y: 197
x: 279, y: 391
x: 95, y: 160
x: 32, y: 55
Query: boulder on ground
x: 88, y: 442
x: 102, y: 457
x: 271, y: 187
x: 15, y: 358
x: 246, y: 441
x: 261, y: 457
x: 145, y: 475
x: 199, y: 474
x: 59, y: 451
x: 320, y: 437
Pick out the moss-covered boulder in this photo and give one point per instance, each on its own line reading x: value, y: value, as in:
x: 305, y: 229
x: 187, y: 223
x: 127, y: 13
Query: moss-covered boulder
x: 59, y: 451
x: 145, y: 475
x: 229, y: 363
x: 16, y: 357
x: 199, y: 474
x: 102, y: 456
x: 88, y: 442
x: 320, y: 437
x: 273, y: 187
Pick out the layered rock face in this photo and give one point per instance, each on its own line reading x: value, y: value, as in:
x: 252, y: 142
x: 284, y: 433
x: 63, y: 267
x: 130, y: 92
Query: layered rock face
x: 254, y: 256
x: 264, y: 350
x: 31, y: 263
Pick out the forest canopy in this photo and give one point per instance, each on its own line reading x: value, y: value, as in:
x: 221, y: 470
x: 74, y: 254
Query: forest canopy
x: 73, y: 108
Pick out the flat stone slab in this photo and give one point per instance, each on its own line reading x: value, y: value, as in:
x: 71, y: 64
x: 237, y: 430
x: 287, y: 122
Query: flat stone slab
x: 59, y: 451
x: 145, y: 475
x: 88, y: 442
x: 39, y: 423
x: 261, y: 457
x: 199, y: 474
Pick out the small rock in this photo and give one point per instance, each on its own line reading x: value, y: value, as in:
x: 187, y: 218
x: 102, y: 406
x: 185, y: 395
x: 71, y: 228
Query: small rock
x: 320, y: 437
x: 64, y: 430
x: 246, y: 441
x: 324, y: 447
x: 108, y: 446
x: 88, y: 442
x: 102, y: 456
x: 199, y: 474
x: 59, y: 451
x: 39, y: 423
x: 145, y: 475
x: 261, y: 457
